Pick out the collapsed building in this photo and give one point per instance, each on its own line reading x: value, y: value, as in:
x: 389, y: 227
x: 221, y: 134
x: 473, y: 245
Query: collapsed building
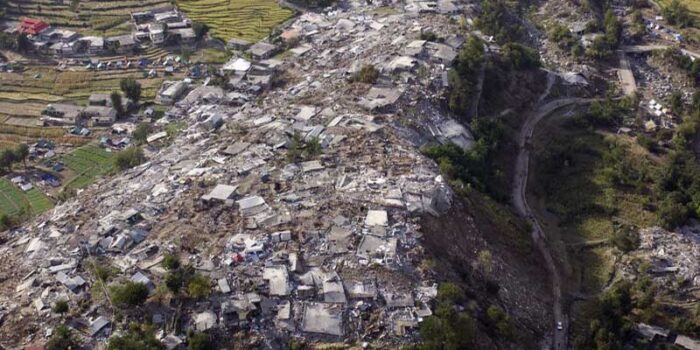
x: 304, y: 248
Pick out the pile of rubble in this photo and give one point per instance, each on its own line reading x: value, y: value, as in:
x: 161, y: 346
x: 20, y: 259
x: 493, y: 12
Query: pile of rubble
x: 322, y: 248
x: 672, y: 256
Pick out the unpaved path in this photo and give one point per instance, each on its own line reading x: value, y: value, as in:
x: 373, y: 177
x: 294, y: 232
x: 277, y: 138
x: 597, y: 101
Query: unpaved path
x: 519, y: 196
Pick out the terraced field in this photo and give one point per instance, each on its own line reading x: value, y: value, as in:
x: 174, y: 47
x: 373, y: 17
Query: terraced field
x: 250, y: 20
x: 91, y: 16
x: 24, y: 95
x: 88, y: 162
x: 12, y: 199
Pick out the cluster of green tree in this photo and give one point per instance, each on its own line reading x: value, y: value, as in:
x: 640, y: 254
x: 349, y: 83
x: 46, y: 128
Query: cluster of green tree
x: 613, y: 313
x: 136, y: 337
x: 17, y: 42
x: 200, y: 29
x: 464, y: 75
x: 677, y: 13
x: 684, y: 62
x: 367, y: 74
x: 62, y: 339
x: 129, y: 158
x: 677, y: 185
x: 131, y: 89
x: 609, y: 328
x: 497, y: 20
x: 520, y: 57
x: 447, y: 328
x: 180, y: 276
x: 300, y: 149
x: 604, y: 45
x: 608, y: 112
x: 565, y: 40
x: 9, y: 156
x: 473, y: 168
x: 128, y: 294
x: 678, y: 188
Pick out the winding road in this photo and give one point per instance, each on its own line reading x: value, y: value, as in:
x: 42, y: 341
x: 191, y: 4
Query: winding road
x: 519, y: 196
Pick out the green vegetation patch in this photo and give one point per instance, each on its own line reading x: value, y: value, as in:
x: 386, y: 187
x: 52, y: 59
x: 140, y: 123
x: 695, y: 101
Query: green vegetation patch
x: 13, y: 201
x: 250, y: 20
x: 88, y: 162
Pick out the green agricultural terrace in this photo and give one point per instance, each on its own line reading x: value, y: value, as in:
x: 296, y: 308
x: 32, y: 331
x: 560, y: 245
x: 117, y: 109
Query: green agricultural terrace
x: 13, y: 200
x: 249, y: 20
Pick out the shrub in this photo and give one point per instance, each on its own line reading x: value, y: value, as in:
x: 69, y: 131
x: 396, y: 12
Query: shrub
x: 520, y: 56
x: 171, y: 262
x: 367, y: 74
x: 199, y: 341
x: 129, y: 294
x: 138, y: 337
x: 141, y: 132
x: 647, y: 142
x: 428, y: 36
x: 129, y: 158
x: 60, y: 307
x: 199, y: 286
x: 62, y: 339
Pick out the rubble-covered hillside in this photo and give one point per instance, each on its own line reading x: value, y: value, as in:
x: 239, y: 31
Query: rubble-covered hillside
x: 303, y: 208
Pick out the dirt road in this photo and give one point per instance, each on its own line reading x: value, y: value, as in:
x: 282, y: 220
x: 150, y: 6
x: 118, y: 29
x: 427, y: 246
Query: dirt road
x: 519, y: 196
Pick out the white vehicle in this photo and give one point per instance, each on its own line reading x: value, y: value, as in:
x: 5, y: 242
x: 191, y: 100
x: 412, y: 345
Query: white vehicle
x: 560, y: 326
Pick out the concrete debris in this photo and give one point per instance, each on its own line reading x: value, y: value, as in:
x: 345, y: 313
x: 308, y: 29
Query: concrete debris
x: 323, y: 245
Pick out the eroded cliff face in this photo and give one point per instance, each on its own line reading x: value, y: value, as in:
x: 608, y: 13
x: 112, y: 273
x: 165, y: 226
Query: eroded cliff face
x: 485, y: 249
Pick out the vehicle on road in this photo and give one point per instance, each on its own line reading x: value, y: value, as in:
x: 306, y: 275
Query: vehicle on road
x: 560, y: 326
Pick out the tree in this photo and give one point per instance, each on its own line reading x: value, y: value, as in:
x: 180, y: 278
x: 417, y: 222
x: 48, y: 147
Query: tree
x: 117, y: 104
x: 23, y: 44
x: 7, y: 158
x: 464, y: 74
x: 129, y: 158
x: 129, y: 294
x: 60, y: 307
x: 62, y: 339
x: 675, y: 101
x: 21, y: 153
x: 613, y: 28
x: 199, y: 341
x: 449, y: 292
x: 200, y: 29
x: 199, y: 286
x: 131, y: 89
x: 500, y: 322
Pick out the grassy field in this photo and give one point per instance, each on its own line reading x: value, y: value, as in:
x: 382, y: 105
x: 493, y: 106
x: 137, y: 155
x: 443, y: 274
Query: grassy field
x: 250, y: 20
x: 693, y: 6
x: 87, y: 162
x: 12, y: 199
x: 582, y: 198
